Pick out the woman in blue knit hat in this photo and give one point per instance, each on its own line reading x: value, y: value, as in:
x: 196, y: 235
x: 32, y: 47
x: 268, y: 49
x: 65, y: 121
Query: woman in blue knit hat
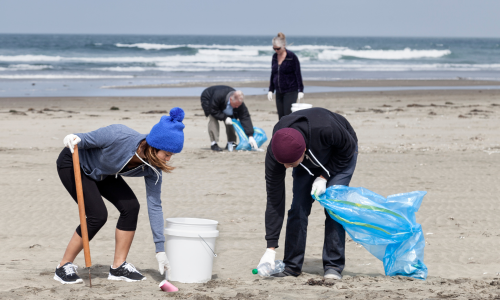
x: 106, y: 155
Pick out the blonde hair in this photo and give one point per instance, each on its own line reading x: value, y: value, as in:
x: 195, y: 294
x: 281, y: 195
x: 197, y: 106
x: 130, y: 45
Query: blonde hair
x: 279, y: 40
x: 152, y: 158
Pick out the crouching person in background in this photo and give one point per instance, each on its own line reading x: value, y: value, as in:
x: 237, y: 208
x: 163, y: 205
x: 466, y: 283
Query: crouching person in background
x: 223, y: 103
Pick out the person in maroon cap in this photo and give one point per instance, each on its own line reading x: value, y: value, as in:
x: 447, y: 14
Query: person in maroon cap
x: 321, y: 147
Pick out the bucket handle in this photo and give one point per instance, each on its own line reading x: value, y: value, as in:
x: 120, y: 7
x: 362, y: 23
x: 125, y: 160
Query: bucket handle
x: 215, y: 255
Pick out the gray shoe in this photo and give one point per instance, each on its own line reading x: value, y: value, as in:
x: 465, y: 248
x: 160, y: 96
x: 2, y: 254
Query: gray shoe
x: 332, y: 274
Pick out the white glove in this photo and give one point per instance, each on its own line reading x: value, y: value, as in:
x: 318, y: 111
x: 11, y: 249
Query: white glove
x: 301, y: 95
x: 229, y: 121
x: 270, y: 96
x: 252, y: 142
x: 319, y: 186
x: 268, y: 257
x: 70, y: 141
x: 163, y: 263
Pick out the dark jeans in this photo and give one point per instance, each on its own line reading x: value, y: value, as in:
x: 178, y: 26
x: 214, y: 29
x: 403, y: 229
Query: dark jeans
x: 296, y: 227
x: 115, y: 190
x: 284, y: 103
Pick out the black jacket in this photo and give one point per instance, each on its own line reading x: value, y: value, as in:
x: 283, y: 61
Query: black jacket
x: 286, y: 77
x: 214, y: 101
x: 330, y: 138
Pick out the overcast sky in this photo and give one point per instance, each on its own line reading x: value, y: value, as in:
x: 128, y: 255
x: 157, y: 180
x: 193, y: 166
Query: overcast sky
x: 425, y: 18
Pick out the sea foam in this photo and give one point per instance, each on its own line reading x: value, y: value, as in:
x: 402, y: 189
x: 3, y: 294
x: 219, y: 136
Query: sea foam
x: 246, y: 54
x: 26, y: 67
x: 148, y: 46
x: 27, y: 58
x: 407, y: 53
x: 268, y: 48
x: 64, y: 76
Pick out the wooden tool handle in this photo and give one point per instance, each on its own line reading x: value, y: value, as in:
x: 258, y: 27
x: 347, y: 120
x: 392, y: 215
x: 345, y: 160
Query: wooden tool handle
x: 81, y: 207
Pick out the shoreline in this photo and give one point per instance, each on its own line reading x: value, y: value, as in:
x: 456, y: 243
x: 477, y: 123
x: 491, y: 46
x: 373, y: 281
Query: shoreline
x: 333, y: 83
x: 4, y: 101
x: 254, y: 88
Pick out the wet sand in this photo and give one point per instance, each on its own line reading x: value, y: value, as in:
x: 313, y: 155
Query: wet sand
x: 333, y: 83
x: 444, y: 142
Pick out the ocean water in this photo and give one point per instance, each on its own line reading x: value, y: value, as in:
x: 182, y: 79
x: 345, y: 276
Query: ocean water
x: 99, y: 60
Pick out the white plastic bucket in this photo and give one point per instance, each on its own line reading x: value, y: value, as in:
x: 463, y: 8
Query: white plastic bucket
x: 300, y: 106
x: 189, y: 247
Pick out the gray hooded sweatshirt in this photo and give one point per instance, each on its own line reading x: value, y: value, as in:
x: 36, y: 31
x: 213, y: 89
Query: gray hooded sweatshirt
x: 106, y: 151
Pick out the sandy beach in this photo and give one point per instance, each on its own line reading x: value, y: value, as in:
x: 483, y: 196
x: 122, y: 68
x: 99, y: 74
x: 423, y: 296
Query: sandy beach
x: 444, y: 142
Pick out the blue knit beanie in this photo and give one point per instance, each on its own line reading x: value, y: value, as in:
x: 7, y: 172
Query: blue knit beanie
x: 167, y: 135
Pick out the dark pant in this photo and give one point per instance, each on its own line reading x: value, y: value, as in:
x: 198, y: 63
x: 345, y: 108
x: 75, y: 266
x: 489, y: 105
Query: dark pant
x: 284, y: 102
x: 115, y: 190
x: 296, y: 228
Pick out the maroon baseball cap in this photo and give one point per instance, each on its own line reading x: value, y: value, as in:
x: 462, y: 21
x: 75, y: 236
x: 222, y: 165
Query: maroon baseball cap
x: 288, y: 145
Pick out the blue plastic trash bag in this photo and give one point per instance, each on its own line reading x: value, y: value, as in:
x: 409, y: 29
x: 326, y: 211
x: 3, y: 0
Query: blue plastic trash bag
x: 258, y: 134
x: 386, y: 227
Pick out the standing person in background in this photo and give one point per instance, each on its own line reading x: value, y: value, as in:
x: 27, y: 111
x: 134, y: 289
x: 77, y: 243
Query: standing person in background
x: 286, y: 77
x: 222, y: 103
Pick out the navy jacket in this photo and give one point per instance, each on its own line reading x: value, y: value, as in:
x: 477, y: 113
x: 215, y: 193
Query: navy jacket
x: 286, y: 77
x: 330, y: 138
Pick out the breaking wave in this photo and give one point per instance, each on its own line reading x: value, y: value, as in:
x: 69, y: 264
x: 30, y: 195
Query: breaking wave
x: 63, y: 76
x: 25, y: 67
x: 382, y: 54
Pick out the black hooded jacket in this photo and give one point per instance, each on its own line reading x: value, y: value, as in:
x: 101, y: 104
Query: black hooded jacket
x: 214, y: 101
x: 331, y: 140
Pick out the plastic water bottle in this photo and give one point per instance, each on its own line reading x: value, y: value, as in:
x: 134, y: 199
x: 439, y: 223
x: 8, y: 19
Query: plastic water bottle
x: 265, y: 270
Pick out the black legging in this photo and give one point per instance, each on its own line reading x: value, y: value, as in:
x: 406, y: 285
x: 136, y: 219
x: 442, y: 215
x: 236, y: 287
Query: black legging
x: 284, y: 103
x: 115, y: 190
